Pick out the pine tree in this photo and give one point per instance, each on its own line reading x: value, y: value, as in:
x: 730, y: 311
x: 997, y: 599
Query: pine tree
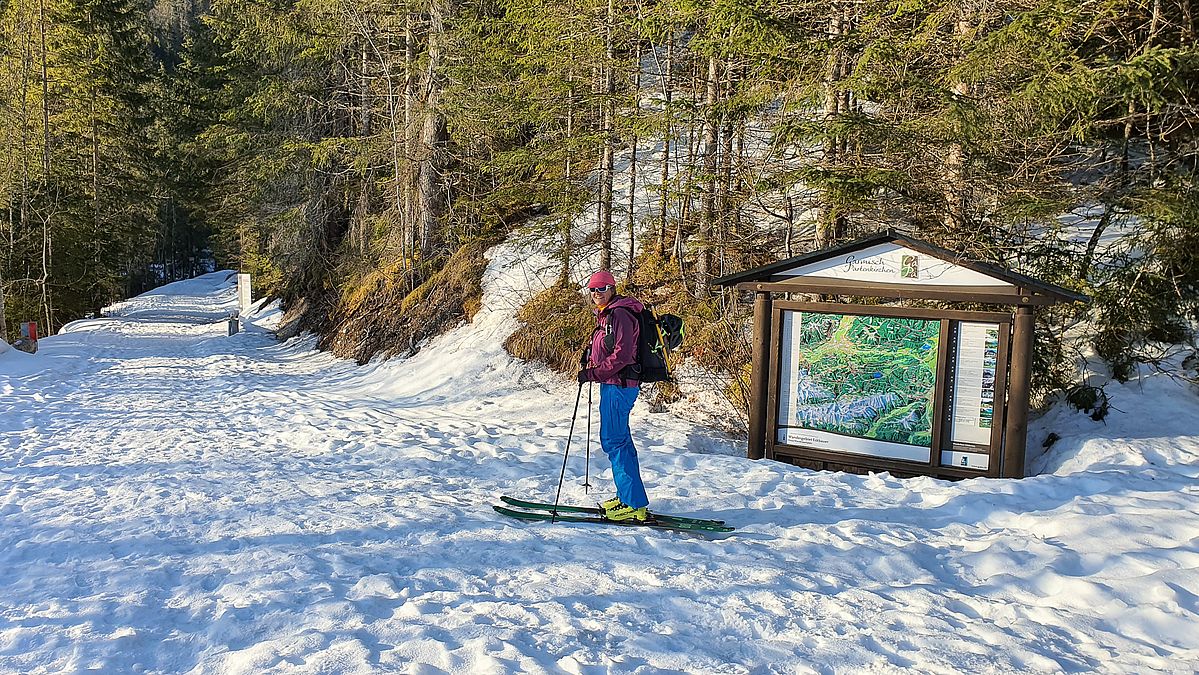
x: 76, y: 197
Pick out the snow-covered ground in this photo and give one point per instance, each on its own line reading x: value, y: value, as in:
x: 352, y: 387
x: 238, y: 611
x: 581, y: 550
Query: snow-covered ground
x: 176, y: 500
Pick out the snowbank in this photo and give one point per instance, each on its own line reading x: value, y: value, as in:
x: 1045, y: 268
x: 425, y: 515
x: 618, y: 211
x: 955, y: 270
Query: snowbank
x: 176, y: 500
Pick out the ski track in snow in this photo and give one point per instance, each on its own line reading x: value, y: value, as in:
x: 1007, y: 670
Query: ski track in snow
x: 175, y: 500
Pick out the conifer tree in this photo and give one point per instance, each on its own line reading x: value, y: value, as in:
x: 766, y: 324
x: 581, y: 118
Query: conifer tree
x: 76, y: 196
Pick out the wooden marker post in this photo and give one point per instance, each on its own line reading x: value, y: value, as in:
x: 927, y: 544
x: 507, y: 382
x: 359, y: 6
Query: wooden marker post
x: 244, y: 294
x: 759, y: 382
x: 1016, y: 433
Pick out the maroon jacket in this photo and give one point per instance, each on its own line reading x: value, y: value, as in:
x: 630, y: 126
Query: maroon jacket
x: 614, y: 342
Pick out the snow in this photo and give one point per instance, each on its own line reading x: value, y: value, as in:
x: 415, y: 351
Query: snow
x: 178, y: 500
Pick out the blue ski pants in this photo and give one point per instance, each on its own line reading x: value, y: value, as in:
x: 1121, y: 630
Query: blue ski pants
x: 616, y: 403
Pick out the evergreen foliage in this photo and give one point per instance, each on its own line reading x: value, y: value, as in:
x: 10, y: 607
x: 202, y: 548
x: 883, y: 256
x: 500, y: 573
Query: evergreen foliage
x: 342, y: 149
x: 75, y: 187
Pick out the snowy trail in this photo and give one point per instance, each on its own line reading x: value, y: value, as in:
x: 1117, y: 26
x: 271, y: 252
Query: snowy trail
x: 175, y: 500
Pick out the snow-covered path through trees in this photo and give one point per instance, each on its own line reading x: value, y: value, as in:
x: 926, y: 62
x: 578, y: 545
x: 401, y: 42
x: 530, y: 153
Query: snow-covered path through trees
x: 175, y: 500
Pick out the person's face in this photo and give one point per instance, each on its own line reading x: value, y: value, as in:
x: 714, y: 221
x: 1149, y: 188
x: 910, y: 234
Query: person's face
x: 602, y: 295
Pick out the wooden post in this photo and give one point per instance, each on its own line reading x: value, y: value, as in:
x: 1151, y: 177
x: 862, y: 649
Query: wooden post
x: 244, y: 294
x: 759, y: 377
x: 1016, y: 430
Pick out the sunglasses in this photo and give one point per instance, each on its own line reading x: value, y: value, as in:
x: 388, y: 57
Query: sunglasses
x: 600, y: 289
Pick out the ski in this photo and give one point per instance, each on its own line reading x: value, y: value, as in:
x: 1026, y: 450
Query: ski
x: 661, y: 517
x: 596, y: 514
x: 600, y: 520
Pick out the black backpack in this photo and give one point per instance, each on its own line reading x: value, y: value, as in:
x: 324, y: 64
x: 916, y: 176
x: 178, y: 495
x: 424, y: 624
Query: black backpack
x: 657, y: 336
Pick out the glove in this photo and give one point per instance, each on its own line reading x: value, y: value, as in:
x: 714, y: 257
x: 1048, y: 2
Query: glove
x: 584, y: 375
x: 585, y: 357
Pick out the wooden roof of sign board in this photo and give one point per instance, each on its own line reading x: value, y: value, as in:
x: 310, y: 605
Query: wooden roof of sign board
x: 891, y: 264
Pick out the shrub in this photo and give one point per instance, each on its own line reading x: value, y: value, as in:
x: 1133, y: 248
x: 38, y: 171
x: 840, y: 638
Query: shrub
x: 555, y: 326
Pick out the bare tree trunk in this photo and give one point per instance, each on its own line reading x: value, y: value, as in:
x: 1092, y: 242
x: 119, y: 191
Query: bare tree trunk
x: 605, y: 194
x: 1084, y: 267
x: 408, y: 211
x: 567, y: 242
x: 1188, y: 24
x: 667, y: 92
x: 399, y: 151
x: 359, y: 223
x: 1155, y: 24
x: 740, y: 192
x: 97, y: 271
x: 790, y: 227
x: 725, y: 224
x: 47, y: 242
x: 681, y: 224
x: 3, y: 307
x: 724, y: 184
x: 431, y: 187
x: 708, y: 216
x: 954, y: 188
x: 22, y: 216
x: 633, y: 163
x: 686, y: 196
x: 607, y: 158
x: 26, y: 76
x: 364, y: 88
x: 831, y: 223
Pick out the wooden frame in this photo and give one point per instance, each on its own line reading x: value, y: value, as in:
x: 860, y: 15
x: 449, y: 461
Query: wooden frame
x: 979, y: 283
x: 981, y: 294
x: 942, y: 405
x: 1020, y: 290
x: 995, y: 448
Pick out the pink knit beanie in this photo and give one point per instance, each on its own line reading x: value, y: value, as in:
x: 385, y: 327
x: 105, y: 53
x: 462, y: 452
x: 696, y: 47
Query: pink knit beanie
x: 601, y: 278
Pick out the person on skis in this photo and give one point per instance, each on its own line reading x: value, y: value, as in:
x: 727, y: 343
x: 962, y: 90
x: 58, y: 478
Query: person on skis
x: 607, y: 360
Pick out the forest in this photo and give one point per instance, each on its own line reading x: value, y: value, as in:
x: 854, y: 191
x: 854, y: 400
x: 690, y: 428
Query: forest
x: 359, y: 157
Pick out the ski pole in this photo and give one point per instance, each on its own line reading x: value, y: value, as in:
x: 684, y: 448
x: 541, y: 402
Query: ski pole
x: 587, y: 464
x: 566, y: 455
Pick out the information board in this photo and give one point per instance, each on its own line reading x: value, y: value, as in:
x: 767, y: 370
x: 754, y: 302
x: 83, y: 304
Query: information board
x: 972, y: 419
x: 859, y: 384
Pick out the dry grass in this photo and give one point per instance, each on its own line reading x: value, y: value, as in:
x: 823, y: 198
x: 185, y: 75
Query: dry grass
x: 555, y: 326
x: 380, y: 314
x: 714, y: 327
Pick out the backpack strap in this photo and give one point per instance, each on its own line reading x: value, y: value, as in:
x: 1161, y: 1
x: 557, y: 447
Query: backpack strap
x: 610, y: 342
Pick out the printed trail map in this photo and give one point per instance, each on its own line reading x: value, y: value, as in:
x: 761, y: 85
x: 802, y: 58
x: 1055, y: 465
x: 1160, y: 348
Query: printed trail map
x: 867, y: 376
